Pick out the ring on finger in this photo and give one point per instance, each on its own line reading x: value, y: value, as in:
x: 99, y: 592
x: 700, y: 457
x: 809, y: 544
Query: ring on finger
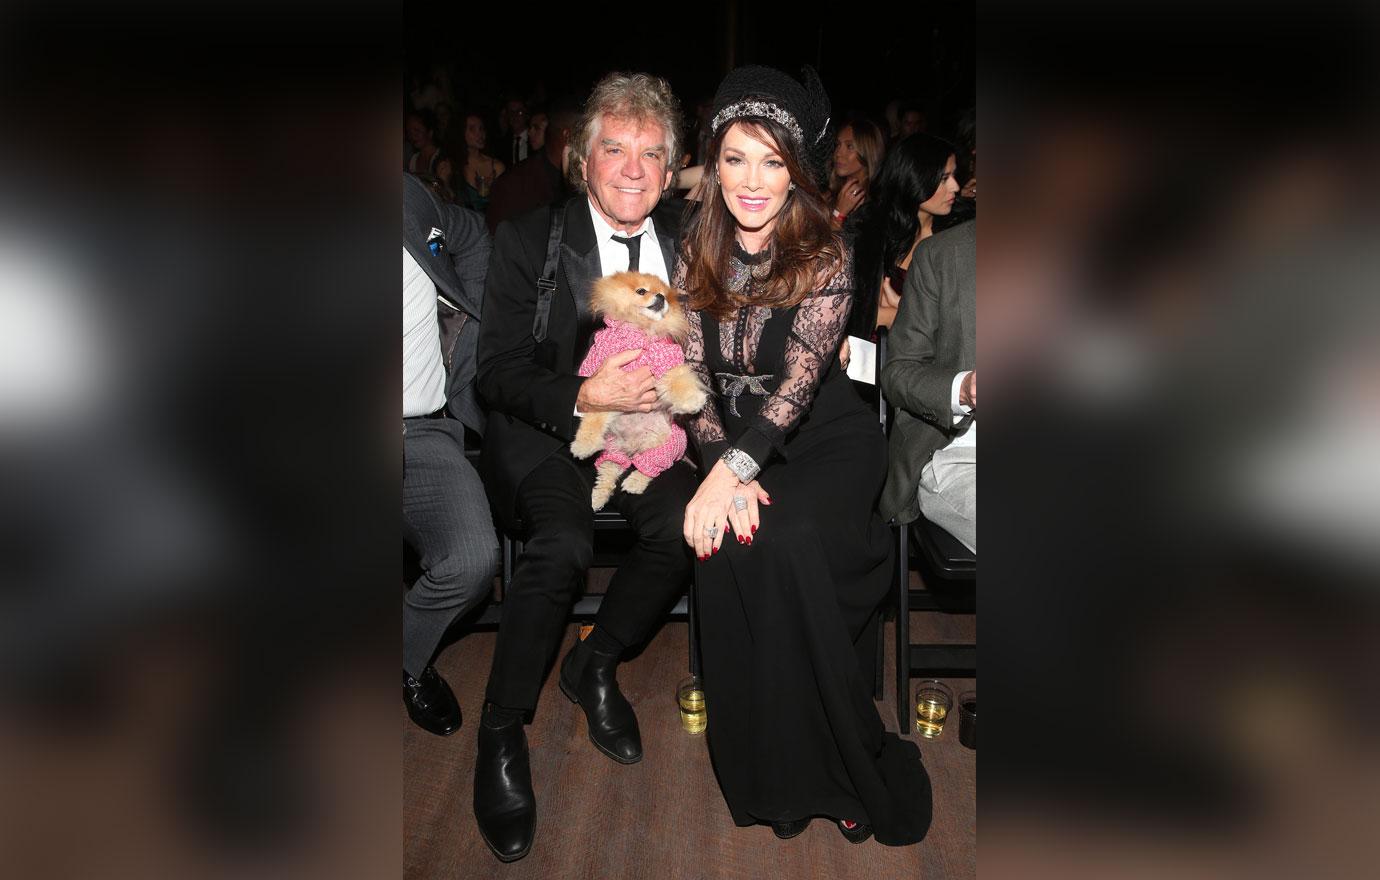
x: 711, y: 530
x: 739, y: 503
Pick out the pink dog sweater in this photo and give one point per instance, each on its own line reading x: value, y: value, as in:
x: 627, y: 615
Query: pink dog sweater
x: 659, y: 354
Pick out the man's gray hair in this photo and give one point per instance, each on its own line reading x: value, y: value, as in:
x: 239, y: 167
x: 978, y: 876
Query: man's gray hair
x: 634, y: 96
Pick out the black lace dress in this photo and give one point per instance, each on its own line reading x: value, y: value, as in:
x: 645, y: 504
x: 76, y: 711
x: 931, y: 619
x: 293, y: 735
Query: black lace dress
x: 785, y: 622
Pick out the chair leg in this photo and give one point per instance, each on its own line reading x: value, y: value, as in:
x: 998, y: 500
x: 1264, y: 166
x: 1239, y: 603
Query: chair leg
x: 691, y: 616
x: 903, y: 631
x: 506, y: 547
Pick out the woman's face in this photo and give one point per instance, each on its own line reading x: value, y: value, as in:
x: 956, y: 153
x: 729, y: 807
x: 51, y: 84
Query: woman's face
x: 941, y: 201
x: 846, y: 161
x: 753, y: 179
x: 475, y: 135
x: 416, y: 132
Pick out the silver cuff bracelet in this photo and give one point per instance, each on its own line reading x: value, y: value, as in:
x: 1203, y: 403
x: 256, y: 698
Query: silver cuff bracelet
x: 742, y: 464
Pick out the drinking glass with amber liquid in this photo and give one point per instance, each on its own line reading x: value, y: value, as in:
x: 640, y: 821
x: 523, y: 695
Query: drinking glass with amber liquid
x: 690, y: 695
x: 933, y: 700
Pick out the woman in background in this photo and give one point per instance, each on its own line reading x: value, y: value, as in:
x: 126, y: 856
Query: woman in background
x: 480, y: 169
x: 858, y: 152
x: 420, y: 127
x: 913, y: 195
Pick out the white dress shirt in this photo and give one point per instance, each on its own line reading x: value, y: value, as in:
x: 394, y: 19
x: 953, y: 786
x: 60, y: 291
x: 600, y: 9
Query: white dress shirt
x: 613, y: 255
x: 968, y: 437
x: 424, y: 372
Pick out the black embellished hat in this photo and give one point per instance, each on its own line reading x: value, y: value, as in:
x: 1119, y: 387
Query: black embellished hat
x: 802, y: 108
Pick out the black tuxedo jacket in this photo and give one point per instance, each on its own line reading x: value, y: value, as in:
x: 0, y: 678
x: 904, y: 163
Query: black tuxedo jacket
x: 531, y: 390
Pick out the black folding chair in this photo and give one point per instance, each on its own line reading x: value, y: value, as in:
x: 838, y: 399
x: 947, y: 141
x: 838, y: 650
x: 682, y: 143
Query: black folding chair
x: 949, y: 573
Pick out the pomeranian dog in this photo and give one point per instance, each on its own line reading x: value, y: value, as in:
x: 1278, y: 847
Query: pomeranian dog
x: 640, y: 311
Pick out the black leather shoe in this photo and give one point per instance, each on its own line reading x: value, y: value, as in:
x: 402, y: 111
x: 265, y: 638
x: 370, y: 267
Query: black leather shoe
x: 857, y: 834
x: 587, y: 678
x: 787, y: 830
x: 430, y: 702
x: 504, y: 805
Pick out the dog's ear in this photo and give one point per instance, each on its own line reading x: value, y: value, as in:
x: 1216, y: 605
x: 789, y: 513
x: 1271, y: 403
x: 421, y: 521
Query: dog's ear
x: 615, y: 296
x: 608, y: 295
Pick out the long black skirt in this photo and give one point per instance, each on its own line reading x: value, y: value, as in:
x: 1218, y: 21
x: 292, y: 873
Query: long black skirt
x: 793, y: 731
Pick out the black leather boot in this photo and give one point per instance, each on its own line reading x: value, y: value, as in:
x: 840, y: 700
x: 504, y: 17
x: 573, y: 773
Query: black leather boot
x: 587, y: 678
x: 431, y: 703
x: 504, y: 805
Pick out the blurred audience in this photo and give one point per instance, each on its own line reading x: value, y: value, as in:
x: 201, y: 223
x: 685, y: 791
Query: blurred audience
x: 514, y: 145
x: 911, y: 120
x: 858, y: 151
x: 966, y: 140
x: 536, y: 131
x: 424, y: 139
x: 540, y: 179
x: 912, y: 196
x: 480, y: 170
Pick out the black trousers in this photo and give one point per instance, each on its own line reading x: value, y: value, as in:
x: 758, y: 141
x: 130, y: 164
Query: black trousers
x: 554, y: 504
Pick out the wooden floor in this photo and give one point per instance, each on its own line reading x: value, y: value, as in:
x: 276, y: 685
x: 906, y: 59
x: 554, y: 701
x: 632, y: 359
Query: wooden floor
x: 663, y: 817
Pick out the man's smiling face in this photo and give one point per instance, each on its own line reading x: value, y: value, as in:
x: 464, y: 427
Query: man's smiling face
x: 626, y: 170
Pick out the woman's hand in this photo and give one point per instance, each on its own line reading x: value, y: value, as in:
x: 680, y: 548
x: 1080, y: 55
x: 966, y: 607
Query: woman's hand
x: 712, y: 507
x: 888, y: 296
x: 746, y: 521
x: 709, y: 510
x: 852, y: 195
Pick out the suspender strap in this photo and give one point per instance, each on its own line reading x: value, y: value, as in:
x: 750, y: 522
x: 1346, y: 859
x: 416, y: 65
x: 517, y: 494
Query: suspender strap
x: 546, y: 284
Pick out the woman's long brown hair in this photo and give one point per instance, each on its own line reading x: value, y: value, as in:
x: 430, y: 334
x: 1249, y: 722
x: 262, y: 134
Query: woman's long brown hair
x: 805, y: 249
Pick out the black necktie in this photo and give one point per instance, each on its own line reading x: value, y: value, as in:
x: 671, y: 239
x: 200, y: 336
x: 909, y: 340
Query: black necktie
x: 634, y: 249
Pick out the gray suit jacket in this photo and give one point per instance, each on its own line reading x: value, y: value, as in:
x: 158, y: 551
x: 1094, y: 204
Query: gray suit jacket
x: 457, y: 268
x: 933, y: 339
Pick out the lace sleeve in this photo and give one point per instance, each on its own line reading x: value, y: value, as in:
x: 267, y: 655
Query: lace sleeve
x: 705, y: 427
x: 812, y: 343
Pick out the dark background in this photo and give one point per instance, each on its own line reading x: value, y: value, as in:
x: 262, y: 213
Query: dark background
x: 865, y: 54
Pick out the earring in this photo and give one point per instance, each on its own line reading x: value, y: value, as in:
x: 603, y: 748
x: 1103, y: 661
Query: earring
x: 791, y: 187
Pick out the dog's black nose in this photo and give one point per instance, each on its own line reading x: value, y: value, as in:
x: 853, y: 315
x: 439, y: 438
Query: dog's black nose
x: 659, y: 302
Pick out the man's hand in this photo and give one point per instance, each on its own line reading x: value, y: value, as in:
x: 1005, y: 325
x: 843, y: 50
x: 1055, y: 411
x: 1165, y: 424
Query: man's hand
x: 967, y: 392
x: 612, y: 390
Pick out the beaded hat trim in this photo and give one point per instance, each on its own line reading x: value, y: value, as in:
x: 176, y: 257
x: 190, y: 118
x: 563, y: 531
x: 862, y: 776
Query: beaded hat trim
x: 764, y: 109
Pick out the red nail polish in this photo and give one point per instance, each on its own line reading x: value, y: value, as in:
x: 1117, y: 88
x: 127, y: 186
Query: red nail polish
x: 749, y: 541
x: 754, y: 530
x: 716, y: 550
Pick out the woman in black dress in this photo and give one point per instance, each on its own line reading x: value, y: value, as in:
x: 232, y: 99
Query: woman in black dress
x: 793, y: 464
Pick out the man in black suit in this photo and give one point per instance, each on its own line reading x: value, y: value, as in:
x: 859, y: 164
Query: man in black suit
x: 622, y: 155
x: 445, y: 511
